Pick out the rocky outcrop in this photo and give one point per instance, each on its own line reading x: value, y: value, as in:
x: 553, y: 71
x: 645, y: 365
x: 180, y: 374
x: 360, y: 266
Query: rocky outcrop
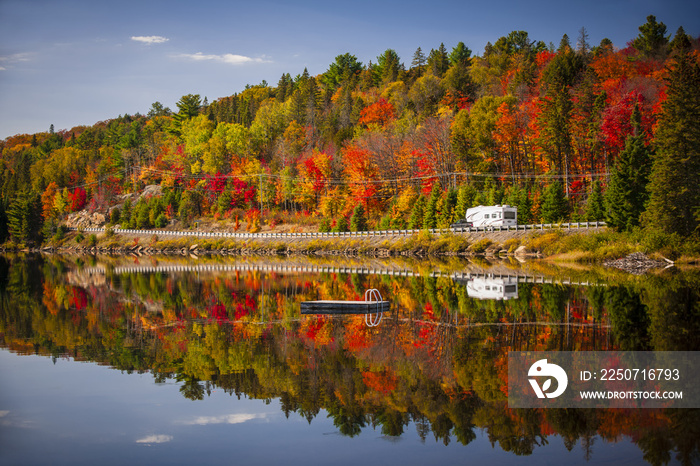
x: 637, y: 263
x: 84, y: 219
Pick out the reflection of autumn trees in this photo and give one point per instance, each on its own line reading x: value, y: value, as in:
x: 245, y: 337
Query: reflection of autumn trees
x: 438, y: 360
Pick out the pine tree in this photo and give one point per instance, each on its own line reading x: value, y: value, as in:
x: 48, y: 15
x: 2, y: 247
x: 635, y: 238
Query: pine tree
x: 554, y: 205
x: 430, y: 214
x: 415, y: 221
x: 447, y: 208
x: 24, y: 217
x: 518, y: 197
x: 342, y: 225
x: 595, y: 205
x: 681, y: 41
x: 627, y: 193
x: 652, y: 39
x: 358, y: 221
x: 419, y: 61
x: 674, y: 203
x: 465, y: 199
x: 438, y: 61
x: 524, y: 207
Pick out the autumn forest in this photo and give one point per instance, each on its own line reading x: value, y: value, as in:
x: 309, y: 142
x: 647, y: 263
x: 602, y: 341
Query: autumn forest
x: 568, y: 131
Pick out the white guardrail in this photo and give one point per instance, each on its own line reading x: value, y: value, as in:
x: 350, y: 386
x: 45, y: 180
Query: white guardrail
x: 436, y: 231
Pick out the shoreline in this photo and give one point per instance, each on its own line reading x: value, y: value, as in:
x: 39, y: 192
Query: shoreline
x: 591, y: 246
x: 420, y: 245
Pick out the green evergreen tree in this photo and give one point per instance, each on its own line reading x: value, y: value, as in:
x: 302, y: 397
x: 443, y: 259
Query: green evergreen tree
x: 674, y: 203
x: 188, y: 107
x: 446, y: 211
x: 388, y: 67
x: 430, y: 214
x: 595, y: 205
x: 415, y: 221
x: 460, y: 54
x: 139, y: 216
x: 495, y: 193
x: 190, y: 207
x: 24, y: 218
x: 358, y: 221
x: 524, y: 207
x: 554, y: 205
x: 3, y: 223
x: 652, y: 40
x: 517, y: 196
x: 418, y: 61
x: 223, y: 203
x: 627, y: 193
x: 325, y: 225
x: 465, y: 199
x: 341, y: 226
x: 125, y: 216
x: 681, y: 41
x: 438, y: 61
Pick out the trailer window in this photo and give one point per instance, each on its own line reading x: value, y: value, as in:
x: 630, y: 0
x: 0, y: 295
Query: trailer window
x: 508, y: 214
x: 511, y: 288
x: 486, y: 215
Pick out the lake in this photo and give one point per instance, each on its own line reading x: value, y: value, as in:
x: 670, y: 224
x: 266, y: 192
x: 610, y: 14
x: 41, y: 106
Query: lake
x: 173, y: 360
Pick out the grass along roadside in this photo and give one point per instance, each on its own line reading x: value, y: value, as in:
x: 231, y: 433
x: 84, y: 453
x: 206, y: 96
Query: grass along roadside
x: 578, y: 246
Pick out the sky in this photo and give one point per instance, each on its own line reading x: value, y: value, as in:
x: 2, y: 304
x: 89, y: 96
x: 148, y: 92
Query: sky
x: 77, y: 62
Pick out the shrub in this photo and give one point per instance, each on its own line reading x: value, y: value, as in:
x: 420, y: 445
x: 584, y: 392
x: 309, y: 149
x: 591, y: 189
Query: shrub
x: 341, y: 226
x: 161, y: 221
x: 92, y: 241
x: 511, y: 244
x: 57, y: 237
x: 480, y: 246
x: 324, y: 226
x: 385, y: 223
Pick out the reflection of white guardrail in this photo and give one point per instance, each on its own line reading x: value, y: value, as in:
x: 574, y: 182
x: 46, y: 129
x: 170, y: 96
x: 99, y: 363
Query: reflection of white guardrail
x: 349, y: 234
x: 457, y: 276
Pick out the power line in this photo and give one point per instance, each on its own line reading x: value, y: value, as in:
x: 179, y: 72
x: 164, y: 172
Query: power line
x: 475, y: 177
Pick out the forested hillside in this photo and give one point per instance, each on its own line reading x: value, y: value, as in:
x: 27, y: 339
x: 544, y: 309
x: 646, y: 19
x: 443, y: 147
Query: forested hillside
x: 567, y: 131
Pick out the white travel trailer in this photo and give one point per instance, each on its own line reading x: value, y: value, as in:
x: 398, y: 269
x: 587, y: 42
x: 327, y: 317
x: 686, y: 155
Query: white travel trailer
x: 493, y: 215
x: 492, y: 288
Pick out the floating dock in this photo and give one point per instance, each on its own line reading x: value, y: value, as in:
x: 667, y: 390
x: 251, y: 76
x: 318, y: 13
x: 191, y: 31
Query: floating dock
x: 373, y: 304
x: 344, y: 307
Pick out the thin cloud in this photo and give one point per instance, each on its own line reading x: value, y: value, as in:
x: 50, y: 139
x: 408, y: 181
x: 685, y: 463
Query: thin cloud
x: 155, y: 439
x: 9, y: 60
x: 227, y: 58
x: 150, y: 39
x: 225, y: 419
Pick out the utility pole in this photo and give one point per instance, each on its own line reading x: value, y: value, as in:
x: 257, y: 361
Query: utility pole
x: 261, y: 195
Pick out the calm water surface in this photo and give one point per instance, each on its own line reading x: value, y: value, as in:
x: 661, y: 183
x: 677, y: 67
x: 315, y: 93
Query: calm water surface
x: 173, y: 361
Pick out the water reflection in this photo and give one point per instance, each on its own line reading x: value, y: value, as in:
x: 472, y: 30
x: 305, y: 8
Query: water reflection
x: 493, y: 288
x: 438, y: 360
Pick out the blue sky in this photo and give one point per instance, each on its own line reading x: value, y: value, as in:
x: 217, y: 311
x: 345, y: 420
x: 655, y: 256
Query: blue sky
x: 76, y: 62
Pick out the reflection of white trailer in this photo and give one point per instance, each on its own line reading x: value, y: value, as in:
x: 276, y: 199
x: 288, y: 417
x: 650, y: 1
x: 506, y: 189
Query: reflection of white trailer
x: 493, y: 215
x: 493, y: 288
